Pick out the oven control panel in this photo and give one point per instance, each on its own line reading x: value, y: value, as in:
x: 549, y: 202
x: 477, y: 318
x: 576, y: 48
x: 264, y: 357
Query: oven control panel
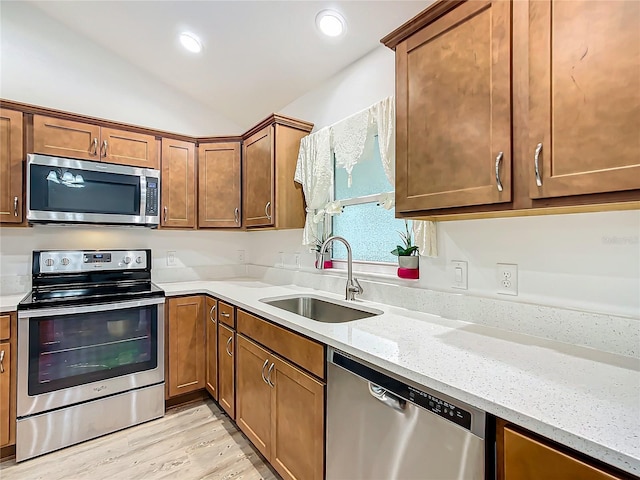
x: 73, y: 261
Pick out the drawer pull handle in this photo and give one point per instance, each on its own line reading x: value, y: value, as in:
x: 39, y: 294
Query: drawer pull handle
x: 105, y: 146
x: 15, y: 206
x: 264, y: 378
x: 536, y: 164
x: 267, y: 210
x: 226, y: 315
x: 165, y: 214
x: 211, y: 313
x: 271, y: 384
x: 2, y: 361
x: 227, y: 347
x: 236, y: 215
x: 498, y: 162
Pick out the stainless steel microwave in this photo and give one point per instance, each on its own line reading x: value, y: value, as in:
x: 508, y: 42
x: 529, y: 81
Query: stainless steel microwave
x: 64, y: 190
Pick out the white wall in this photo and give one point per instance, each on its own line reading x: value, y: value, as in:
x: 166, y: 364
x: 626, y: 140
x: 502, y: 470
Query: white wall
x: 586, y: 261
x: 42, y: 62
x: 199, y: 254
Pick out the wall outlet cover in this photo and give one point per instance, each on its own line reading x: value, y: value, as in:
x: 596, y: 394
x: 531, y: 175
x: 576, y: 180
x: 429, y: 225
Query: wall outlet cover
x: 507, y: 279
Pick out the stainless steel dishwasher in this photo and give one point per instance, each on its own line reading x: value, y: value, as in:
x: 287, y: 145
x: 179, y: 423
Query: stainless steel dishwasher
x: 383, y: 428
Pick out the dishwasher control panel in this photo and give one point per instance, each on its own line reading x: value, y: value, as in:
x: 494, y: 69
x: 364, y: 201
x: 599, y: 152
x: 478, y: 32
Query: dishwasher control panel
x: 428, y: 401
x: 438, y: 406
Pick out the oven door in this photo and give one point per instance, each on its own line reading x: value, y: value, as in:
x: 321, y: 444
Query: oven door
x: 67, y: 190
x: 73, y: 354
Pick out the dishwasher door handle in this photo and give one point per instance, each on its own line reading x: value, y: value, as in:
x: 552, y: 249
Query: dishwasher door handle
x: 386, y: 397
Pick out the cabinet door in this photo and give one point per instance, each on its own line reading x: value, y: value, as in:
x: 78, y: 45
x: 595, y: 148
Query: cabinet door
x: 5, y: 389
x: 178, y: 184
x: 254, y: 395
x: 453, y: 98
x: 297, y: 435
x: 226, y: 370
x: 128, y: 148
x: 211, y: 347
x: 258, y: 170
x: 11, y: 158
x: 584, y: 80
x: 527, y: 459
x: 65, y: 138
x: 186, y: 345
x: 219, y: 202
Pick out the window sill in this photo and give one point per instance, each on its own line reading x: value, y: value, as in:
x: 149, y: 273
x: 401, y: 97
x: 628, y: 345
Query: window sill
x: 376, y: 271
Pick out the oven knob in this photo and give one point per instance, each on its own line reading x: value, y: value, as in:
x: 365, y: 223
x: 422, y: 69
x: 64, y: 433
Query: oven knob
x: 138, y: 259
x: 127, y: 260
x: 49, y: 262
x: 65, y: 261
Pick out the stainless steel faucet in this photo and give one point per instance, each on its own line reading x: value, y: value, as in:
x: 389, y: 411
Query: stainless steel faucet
x: 353, y: 285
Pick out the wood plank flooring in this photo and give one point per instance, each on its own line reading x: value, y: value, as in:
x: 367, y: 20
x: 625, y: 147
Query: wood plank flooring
x: 195, y: 441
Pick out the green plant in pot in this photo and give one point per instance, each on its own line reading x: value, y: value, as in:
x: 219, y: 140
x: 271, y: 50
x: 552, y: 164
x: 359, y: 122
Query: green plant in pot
x: 326, y: 257
x: 407, y: 254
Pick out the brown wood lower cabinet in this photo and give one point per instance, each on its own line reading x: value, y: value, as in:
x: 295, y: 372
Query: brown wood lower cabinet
x: 211, y: 347
x: 186, y: 345
x: 226, y: 369
x: 526, y: 457
x: 281, y: 410
x: 8, y: 349
x: 5, y: 392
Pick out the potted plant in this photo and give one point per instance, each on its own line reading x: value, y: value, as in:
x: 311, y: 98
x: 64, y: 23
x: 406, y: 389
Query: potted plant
x: 326, y: 257
x: 408, y: 259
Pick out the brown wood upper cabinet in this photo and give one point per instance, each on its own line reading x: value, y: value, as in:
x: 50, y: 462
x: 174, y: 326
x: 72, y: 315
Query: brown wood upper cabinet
x: 584, y: 99
x: 186, y: 342
x: 219, y: 201
x: 11, y: 160
x: 86, y: 141
x: 269, y: 156
x: 453, y: 81
x: 557, y: 83
x: 178, y: 184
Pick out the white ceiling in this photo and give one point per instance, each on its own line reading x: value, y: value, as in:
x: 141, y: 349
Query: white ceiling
x: 258, y: 55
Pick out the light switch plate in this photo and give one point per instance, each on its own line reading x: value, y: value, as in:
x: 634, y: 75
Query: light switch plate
x: 459, y: 274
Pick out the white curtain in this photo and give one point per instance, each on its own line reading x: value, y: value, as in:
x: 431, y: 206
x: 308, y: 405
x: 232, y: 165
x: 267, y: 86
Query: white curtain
x: 424, y: 233
x: 348, y: 138
x: 314, y: 171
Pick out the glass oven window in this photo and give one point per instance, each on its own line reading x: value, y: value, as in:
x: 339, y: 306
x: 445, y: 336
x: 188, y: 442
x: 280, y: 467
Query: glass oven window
x: 71, y: 350
x: 55, y: 189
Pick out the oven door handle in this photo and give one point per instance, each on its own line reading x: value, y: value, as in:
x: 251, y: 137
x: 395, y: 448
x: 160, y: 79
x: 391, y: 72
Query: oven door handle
x: 99, y: 307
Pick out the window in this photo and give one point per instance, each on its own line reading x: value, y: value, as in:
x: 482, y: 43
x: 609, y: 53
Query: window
x: 371, y: 230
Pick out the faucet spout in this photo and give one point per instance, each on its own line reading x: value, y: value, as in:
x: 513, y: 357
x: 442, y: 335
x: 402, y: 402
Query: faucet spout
x: 353, y: 285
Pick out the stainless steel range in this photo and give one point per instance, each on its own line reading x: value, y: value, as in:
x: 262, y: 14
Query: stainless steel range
x: 90, y: 348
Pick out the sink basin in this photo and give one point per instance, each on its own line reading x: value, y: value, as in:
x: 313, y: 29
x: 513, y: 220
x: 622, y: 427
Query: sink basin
x: 321, y: 309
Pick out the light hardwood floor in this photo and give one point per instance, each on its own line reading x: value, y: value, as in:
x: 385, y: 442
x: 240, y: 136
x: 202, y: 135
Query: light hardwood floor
x: 191, y: 442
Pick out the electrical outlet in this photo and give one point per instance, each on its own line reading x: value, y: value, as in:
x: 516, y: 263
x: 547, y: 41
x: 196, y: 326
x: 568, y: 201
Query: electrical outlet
x: 297, y: 260
x: 507, y: 279
x: 460, y: 279
x: 240, y: 256
x: 171, y: 258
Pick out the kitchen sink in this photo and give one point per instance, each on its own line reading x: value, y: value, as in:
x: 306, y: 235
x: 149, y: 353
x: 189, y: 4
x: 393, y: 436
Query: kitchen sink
x: 321, y: 309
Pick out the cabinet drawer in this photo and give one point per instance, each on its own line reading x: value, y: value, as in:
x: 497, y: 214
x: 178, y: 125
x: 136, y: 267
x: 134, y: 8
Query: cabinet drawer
x: 296, y: 348
x: 226, y: 314
x: 5, y: 326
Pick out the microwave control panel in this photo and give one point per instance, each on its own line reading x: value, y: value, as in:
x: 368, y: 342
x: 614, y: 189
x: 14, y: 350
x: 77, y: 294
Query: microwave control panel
x: 153, y: 194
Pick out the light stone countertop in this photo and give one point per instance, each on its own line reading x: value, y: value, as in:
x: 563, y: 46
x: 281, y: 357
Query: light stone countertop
x: 580, y: 397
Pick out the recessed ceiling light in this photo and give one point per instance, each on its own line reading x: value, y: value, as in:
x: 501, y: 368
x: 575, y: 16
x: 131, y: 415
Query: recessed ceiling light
x: 331, y: 23
x: 191, y: 42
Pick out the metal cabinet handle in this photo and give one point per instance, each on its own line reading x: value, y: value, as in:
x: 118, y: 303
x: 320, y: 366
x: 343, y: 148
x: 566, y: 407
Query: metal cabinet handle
x: 94, y: 146
x: 236, y: 215
x: 2, y: 361
x: 536, y: 164
x: 267, y: 209
x: 104, y: 148
x: 264, y: 378
x: 165, y: 214
x: 15, y: 206
x: 271, y: 384
x: 498, y: 162
x: 211, y: 313
x: 226, y: 315
x: 227, y: 347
